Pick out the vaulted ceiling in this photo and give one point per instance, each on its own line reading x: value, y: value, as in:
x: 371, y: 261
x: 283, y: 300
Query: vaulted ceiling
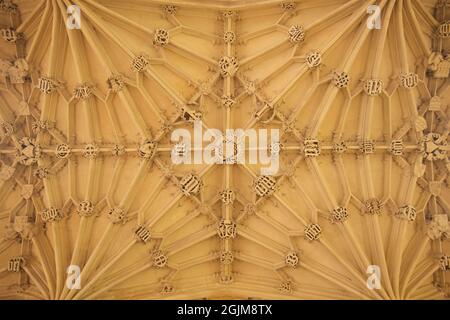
x: 86, y: 177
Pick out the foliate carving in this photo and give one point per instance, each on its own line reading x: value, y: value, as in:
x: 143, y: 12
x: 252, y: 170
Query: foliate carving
x: 159, y: 259
x: 434, y: 147
x: 41, y: 173
x: 313, y: 59
x: 90, y: 151
x: 373, y: 206
x: 339, y: 147
x: 229, y: 14
x: 28, y: 151
x: 444, y: 29
x: 167, y: 288
x: 227, y: 196
x: 116, y: 82
x: 10, y: 35
x: 226, y: 229
x: 288, y: 5
x: 265, y: 185
x: 339, y: 214
x: 142, y: 234
x: 83, y: 91
x: 27, y: 191
x: 226, y: 279
x: 367, y: 147
x: 204, y: 88
x: 311, y: 148
x: 6, y: 172
x: 7, y: 128
x: 227, y: 101
x: 228, y: 66
x: 169, y: 9
x: 117, y: 215
x: 47, y: 85
x: 438, y: 65
x: 409, y: 80
x: 85, y: 208
x: 285, y: 287
x: 190, y: 184
x: 229, y: 37
x: 250, y: 87
x: 167, y: 126
x: 444, y: 262
x: 62, y: 151
x: 226, y: 257
x: 373, y: 87
x: 406, y: 212
x: 291, y: 259
x: 296, y: 34
x: 341, y: 79
x: 118, y: 150
x: 140, y: 63
x: 249, y: 208
x: 288, y: 126
x: 18, y: 72
x: 147, y: 149
x: 439, y: 226
x: 16, y: 264
x: 8, y: 6
x: 190, y: 115
x: 161, y: 37
x: 312, y: 232
x: 41, y: 125
x: 51, y: 215
x: 397, y: 147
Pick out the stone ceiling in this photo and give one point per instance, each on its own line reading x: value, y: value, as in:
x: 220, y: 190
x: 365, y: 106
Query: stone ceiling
x: 87, y: 182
